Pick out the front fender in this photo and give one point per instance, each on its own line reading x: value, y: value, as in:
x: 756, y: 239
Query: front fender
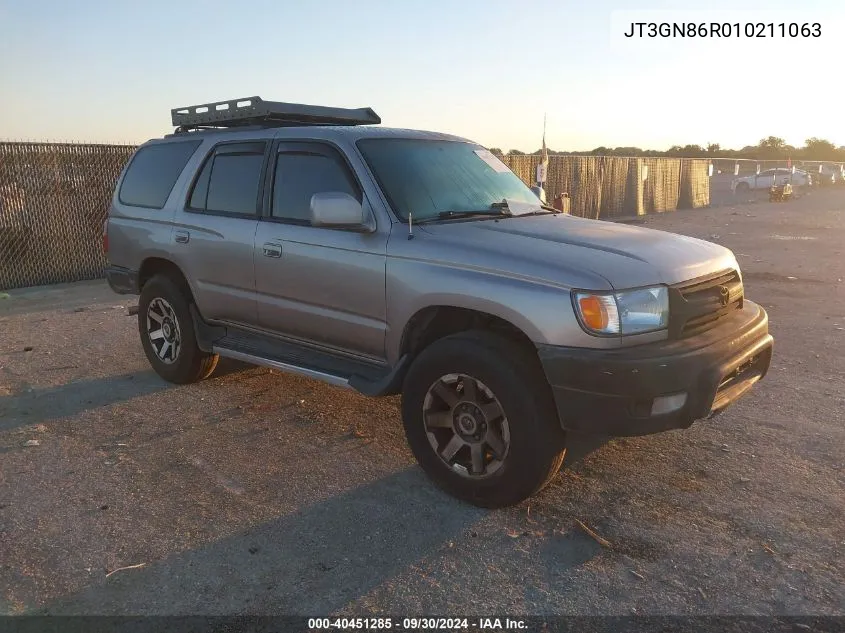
x: 542, y: 311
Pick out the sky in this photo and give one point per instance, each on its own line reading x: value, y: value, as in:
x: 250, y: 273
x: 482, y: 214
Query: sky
x: 489, y: 70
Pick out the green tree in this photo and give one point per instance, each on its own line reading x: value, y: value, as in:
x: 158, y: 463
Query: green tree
x: 818, y: 149
x: 771, y: 147
x: 691, y: 151
x: 627, y: 151
x: 772, y: 142
x: 496, y: 150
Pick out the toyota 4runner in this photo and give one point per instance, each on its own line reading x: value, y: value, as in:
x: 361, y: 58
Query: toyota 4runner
x: 390, y: 261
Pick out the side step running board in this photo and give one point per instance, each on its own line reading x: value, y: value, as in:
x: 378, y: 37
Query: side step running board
x: 365, y: 378
x: 338, y: 381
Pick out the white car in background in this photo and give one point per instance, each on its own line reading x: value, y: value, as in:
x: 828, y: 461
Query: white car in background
x: 768, y: 178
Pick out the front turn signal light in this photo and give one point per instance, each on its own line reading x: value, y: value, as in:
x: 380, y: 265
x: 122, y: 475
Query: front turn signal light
x: 598, y: 312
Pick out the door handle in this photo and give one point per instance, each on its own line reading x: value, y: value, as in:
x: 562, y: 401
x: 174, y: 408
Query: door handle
x: 271, y: 249
x: 182, y: 237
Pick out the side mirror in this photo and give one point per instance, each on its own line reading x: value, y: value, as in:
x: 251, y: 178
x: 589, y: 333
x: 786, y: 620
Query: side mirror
x: 338, y: 210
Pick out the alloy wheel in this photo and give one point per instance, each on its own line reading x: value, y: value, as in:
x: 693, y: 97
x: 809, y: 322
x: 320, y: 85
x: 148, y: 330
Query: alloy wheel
x: 466, y: 425
x: 163, y: 330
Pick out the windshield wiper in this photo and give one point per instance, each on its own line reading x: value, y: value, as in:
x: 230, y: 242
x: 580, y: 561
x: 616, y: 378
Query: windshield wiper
x: 543, y: 211
x: 497, y: 209
x: 544, y: 208
x: 493, y: 211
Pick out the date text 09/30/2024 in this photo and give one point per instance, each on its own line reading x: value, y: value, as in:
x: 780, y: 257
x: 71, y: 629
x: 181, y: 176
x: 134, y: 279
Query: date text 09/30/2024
x: 786, y: 30
x: 416, y: 624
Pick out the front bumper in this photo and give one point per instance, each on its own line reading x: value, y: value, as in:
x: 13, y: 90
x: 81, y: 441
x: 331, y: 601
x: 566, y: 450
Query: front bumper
x: 611, y: 392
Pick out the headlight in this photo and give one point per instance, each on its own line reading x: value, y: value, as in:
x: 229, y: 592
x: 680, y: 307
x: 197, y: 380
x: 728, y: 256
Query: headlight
x: 626, y: 312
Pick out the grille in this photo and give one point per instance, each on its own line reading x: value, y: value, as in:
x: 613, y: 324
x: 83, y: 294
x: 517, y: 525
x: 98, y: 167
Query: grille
x: 700, y: 305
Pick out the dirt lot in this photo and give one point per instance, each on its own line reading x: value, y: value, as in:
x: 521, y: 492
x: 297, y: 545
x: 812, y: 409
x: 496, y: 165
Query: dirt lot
x: 260, y: 493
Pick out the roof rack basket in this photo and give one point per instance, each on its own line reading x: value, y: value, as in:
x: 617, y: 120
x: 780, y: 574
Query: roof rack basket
x: 254, y: 111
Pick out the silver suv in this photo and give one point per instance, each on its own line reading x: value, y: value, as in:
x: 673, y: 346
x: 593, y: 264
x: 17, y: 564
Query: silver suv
x: 392, y: 261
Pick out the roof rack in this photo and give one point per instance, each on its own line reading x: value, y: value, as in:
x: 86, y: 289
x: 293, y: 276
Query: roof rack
x: 254, y: 111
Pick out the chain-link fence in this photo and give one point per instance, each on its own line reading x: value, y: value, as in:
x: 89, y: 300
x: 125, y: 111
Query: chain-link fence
x: 611, y: 186
x: 54, y: 199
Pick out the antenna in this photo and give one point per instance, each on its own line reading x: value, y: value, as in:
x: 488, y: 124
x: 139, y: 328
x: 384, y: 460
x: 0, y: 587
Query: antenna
x: 543, y: 166
x: 410, y: 227
x: 544, y: 129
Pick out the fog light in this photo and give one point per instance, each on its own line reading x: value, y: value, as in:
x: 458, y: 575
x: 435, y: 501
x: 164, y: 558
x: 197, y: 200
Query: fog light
x: 668, y: 404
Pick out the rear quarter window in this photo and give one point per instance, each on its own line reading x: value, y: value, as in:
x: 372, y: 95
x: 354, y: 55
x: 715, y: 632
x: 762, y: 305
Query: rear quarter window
x: 152, y: 173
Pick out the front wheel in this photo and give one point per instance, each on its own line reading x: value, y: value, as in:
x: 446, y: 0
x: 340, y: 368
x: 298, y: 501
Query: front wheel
x: 167, y: 333
x: 480, y: 419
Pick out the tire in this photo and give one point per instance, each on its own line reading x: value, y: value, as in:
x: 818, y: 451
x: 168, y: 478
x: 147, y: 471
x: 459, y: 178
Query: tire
x: 161, y: 298
x: 526, y: 444
x: 743, y: 188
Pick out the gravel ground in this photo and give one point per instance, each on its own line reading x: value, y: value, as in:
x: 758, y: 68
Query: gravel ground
x: 260, y: 493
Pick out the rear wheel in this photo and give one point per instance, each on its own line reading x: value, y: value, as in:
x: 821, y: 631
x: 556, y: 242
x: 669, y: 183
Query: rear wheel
x: 743, y: 188
x: 480, y: 419
x: 167, y: 333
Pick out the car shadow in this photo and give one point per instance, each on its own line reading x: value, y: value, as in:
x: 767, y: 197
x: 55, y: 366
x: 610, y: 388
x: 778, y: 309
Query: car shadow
x: 313, y: 561
x: 229, y: 366
x: 579, y: 446
x: 34, y: 406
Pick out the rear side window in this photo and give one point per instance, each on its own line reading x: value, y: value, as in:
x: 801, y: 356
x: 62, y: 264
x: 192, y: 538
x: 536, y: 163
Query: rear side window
x: 153, y: 172
x: 230, y: 180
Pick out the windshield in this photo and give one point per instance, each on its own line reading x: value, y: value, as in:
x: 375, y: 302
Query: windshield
x: 429, y: 177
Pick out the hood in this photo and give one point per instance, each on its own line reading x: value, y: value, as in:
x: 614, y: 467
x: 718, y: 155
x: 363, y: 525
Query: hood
x: 577, y: 252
